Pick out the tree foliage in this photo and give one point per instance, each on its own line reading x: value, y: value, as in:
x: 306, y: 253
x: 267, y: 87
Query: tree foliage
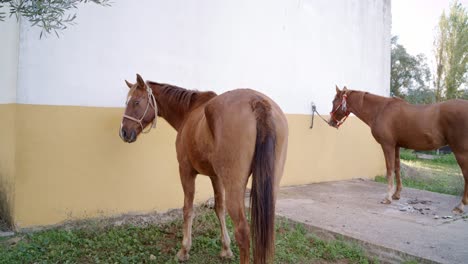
x: 421, y: 95
x: 451, y: 53
x: 410, y: 75
x: 51, y: 16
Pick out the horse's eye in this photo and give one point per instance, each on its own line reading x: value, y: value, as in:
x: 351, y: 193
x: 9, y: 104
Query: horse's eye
x: 136, y: 103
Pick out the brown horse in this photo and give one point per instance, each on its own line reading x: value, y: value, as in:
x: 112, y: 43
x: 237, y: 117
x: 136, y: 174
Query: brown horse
x: 226, y: 137
x: 395, y: 123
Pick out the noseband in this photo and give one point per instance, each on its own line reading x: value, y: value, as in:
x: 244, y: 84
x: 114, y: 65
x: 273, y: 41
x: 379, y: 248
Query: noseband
x: 151, y: 103
x: 344, y: 108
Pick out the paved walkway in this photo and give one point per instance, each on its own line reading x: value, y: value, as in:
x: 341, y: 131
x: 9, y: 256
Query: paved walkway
x: 411, y: 227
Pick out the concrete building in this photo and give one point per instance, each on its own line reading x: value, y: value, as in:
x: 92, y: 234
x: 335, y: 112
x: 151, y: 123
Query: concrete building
x: 62, y: 98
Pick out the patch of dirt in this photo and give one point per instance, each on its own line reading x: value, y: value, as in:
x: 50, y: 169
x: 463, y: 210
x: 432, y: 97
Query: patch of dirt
x: 144, y: 220
x: 417, y: 201
x: 423, y: 207
x: 409, y: 171
x: 140, y: 220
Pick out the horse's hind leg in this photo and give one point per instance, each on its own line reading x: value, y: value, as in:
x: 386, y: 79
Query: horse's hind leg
x: 220, y: 212
x: 389, y: 153
x: 399, y: 186
x: 187, y: 177
x: 236, y: 209
x: 462, y: 159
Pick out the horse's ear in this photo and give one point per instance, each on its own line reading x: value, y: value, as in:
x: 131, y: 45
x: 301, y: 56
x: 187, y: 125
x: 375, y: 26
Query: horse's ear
x: 337, y: 89
x: 345, y: 88
x: 129, y: 84
x: 140, y: 81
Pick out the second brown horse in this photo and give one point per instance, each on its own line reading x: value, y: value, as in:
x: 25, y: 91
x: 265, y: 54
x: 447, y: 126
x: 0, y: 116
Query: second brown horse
x: 395, y: 123
x: 226, y: 137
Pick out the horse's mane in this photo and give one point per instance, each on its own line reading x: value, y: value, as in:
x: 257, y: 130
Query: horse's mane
x: 181, y: 96
x: 393, y: 98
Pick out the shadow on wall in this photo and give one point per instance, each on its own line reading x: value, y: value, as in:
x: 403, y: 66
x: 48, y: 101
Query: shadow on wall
x: 6, y: 220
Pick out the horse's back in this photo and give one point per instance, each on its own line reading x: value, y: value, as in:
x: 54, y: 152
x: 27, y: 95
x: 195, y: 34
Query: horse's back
x: 428, y: 126
x: 456, y: 107
x: 453, y: 118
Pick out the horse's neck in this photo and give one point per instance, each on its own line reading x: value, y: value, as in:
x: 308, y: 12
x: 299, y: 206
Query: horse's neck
x: 173, y: 111
x: 366, y: 106
x: 169, y: 109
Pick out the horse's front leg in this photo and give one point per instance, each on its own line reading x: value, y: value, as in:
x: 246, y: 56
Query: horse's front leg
x: 187, y: 177
x: 399, y: 186
x: 389, y: 153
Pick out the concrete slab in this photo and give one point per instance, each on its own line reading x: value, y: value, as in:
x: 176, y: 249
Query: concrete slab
x: 411, y: 227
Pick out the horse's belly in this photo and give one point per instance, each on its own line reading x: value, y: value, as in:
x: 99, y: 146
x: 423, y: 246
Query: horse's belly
x: 204, y: 167
x: 424, y: 141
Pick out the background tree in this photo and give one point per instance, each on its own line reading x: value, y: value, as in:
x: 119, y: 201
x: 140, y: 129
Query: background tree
x: 410, y: 75
x: 451, y: 54
x: 421, y: 95
x: 50, y: 15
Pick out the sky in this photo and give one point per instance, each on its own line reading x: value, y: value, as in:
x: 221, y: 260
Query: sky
x: 414, y: 21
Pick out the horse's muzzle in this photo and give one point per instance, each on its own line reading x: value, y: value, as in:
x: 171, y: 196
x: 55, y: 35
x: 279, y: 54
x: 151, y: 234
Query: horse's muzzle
x: 333, y: 123
x: 127, y: 136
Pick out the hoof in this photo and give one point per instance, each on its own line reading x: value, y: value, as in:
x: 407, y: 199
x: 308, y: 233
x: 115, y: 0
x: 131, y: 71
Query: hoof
x: 227, y: 254
x: 182, y: 255
x: 457, y: 210
x: 386, y: 201
x: 396, y: 196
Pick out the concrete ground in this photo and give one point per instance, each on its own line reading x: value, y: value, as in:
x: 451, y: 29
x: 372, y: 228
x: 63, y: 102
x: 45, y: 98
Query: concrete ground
x: 419, y: 226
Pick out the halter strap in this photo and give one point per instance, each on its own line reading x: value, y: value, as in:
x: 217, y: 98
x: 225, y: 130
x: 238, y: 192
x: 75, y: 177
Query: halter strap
x: 151, y: 103
x: 344, y: 108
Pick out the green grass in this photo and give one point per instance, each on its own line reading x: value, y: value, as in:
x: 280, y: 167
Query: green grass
x: 411, y: 262
x: 294, y: 244
x: 439, y: 186
x: 408, y: 155
x: 131, y: 244
x: 442, y: 174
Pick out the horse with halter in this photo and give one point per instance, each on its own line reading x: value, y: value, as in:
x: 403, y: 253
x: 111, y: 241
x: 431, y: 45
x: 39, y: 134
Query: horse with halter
x: 395, y: 123
x: 226, y: 137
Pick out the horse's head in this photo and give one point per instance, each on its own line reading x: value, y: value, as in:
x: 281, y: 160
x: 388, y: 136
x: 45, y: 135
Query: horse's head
x: 141, y: 110
x: 340, y: 110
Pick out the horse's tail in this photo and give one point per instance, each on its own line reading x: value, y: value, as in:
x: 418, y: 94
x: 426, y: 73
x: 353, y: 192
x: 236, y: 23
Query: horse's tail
x: 262, y: 204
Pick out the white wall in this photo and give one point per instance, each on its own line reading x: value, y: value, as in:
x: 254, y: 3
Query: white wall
x: 9, y: 30
x: 294, y: 51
